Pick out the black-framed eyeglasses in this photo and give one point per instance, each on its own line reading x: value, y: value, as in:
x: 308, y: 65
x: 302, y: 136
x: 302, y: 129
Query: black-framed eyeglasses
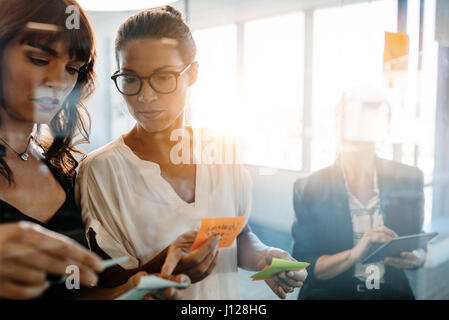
x: 164, y: 82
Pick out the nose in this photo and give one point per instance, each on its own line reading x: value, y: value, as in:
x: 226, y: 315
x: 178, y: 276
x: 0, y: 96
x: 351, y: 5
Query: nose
x: 56, y: 77
x: 147, y: 93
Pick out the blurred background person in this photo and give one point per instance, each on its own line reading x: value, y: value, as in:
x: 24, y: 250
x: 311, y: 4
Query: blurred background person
x: 360, y: 201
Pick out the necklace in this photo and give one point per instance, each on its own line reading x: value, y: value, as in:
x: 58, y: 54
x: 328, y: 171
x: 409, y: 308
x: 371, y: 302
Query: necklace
x: 24, y: 155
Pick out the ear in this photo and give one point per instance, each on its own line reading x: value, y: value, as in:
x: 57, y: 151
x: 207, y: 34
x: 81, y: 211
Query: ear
x: 193, y: 73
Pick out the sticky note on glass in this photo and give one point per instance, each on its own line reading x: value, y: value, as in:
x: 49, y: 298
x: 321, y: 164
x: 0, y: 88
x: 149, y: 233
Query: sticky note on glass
x: 227, y: 228
x: 396, y: 51
x: 279, y: 265
x: 150, y: 284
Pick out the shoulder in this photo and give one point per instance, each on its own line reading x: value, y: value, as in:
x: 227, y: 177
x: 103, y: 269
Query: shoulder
x: 101, y: 158
x: 314, y: 181
x: 399, y: 171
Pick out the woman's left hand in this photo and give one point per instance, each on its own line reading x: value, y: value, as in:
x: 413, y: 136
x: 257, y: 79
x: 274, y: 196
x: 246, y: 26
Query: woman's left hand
x: 283, y: 282
x: 408, y: 260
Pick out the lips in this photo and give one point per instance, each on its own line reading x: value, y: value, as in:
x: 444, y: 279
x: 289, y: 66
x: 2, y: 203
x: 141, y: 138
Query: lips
x: 151, y: 114
x: 47, y: 103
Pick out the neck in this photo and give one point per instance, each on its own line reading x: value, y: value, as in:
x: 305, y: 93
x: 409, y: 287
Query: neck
x: 14, y: 131
x: 357, y: 164
x: 156, y: 143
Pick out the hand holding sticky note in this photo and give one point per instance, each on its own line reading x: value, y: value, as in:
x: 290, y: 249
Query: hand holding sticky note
x: 150, y: 284
x: 227, y: 228
x: 54, y: 280
x: 279, y: 265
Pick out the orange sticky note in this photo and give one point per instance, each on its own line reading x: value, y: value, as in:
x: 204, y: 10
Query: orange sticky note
x: 227, y: 228
x: 396, y: 51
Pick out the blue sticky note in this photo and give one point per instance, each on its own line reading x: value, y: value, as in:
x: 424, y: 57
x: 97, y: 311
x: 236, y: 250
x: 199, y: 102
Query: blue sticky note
x: 149, y: 284
x: 113, y: 262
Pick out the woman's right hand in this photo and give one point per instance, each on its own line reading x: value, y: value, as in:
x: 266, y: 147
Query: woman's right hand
x: 196, y: 264
x: 380, y: 234
x: 29, y: 252
x: 169, y: 293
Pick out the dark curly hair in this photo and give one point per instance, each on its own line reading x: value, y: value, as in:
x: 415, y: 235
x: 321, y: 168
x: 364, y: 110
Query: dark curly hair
x: 73, y: 119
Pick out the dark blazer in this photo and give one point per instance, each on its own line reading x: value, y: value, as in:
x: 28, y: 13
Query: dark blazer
x: 323, y: 224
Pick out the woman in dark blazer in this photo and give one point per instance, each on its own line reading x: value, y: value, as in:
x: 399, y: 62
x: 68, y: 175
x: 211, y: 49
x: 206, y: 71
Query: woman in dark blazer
x: 323, y: 223
x: 344, y: 210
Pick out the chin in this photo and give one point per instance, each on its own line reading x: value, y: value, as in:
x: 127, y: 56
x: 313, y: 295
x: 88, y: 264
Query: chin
x: 43, y: 118
x: 157, y: 126
x: 153, y: 127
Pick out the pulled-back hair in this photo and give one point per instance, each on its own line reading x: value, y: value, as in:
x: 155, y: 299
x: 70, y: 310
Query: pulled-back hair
x: 73, y: 118
x: 163, y: 22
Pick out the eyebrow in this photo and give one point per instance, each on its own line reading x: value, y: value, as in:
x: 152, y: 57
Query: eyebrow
x: 50, y: 51
x: 45, y: 48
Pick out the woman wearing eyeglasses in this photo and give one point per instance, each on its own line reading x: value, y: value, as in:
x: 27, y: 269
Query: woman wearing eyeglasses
x: 139, y: 199
x: 46, y: 74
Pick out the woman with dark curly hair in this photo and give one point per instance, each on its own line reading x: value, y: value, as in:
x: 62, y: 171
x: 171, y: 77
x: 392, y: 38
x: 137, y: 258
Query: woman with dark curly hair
x: 46, y: 71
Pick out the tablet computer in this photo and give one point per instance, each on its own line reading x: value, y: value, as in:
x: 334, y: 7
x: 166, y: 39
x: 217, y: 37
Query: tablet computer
x: 394, y: 247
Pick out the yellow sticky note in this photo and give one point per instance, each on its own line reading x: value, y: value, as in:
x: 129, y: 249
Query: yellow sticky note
x: 396, y: 51
x: 227, y: 228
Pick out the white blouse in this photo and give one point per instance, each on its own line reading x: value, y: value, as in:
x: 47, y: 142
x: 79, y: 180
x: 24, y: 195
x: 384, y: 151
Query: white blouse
x: 134, y: 211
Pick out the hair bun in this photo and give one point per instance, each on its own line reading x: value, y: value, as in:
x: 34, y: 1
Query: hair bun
x: 173, y: 11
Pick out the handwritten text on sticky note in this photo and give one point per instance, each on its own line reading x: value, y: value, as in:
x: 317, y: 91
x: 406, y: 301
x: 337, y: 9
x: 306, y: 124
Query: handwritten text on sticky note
x: 227, y: 228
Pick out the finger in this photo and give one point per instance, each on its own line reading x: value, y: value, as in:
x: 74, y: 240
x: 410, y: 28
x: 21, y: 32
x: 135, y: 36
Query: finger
x: 277, y: 253
x: 379, y: 237
x: 298, y: 276
x: 199, y: 255
x: 290, y: 281
x: 408, y: 255
x: 64, y: 247
x: 174, y: 255
x: 171, y: 293
x: 134, y: 280
x: 187, y: 237
x: 398, y: 263
x: 149, y: 296
x: 179, y: 278
x: 208, y: 271
x: 182, y: 278
x: 276, y: 289
x: 197, y: 270
x: 283, y: 284
x: 16, y: 271
x: 392, y: 263
x: 55, y: 265
x: 388, y: 231
x: 88, y: 277
x: 12, y: 290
